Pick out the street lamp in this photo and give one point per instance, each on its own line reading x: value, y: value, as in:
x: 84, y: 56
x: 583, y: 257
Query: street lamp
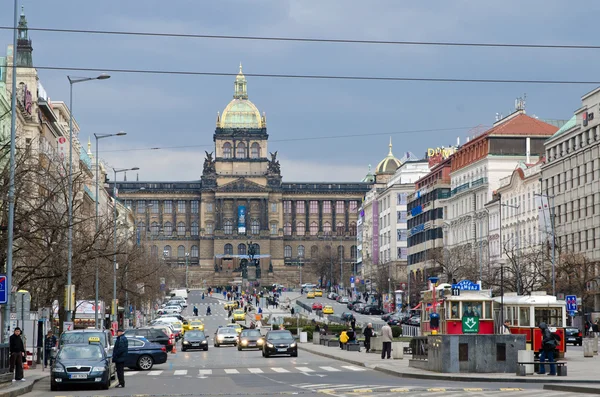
x: 553, y: 239
x: 72, y: 81
x: 114, y: 303
x: 187, y: 256
x: 502, y: 256
x: 97, y: 298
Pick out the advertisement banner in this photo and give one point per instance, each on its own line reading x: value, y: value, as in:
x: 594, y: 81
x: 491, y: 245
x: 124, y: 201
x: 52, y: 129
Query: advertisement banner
x: 375, y: 232
x: 545, y: 225
x: 242, y: 219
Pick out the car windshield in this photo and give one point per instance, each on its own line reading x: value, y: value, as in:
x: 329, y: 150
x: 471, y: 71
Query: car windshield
x: 89, y: 352
x: 280, y: 336
x: 251, y: 332
x: 239, y: 312
x: 70, y: 338
x: 226, y: 331
x: 194, y: 334
x: 196, y: 323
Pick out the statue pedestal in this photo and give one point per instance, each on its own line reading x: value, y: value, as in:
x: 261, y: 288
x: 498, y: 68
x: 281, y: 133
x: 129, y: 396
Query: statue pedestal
x: 251, y: 273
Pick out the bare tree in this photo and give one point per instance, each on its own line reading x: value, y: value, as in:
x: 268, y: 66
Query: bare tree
x: 455, y: 263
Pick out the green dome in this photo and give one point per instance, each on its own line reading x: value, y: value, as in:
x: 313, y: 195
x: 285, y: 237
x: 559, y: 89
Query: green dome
x: 240, y: 112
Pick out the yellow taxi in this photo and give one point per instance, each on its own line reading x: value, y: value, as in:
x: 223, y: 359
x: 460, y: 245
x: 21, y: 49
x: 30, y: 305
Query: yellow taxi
x: 318, y: 292
x: 196, y: 325
x: 310, y: 295
x: 328, y: 309
x: 239, y: 315
x: 238, y: 328
x: 231, y: 305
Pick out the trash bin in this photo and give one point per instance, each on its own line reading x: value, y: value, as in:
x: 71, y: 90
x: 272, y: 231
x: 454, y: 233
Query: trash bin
x: 303, y: 337
x: 588, y: 347
x: 526, y: 356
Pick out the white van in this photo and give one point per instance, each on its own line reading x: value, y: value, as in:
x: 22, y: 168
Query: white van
x: 182, y: 292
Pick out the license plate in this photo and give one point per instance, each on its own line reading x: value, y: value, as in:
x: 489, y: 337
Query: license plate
x: 195, y: 344
x: 281, y: 350
x: 251, y: 344
x: 571, y: 339
x: 78, y: 376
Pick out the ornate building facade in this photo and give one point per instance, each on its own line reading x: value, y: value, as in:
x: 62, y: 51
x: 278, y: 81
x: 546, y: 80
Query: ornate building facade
x: 207, y: 225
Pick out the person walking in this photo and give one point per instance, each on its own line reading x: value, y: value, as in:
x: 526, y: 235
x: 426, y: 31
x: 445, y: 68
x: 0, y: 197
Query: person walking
x: 17, y: 353
x: 368, y: 333
x: 386, y: 338
x: 50, y: 344
x: 195, y: 311
x: 548, y: 346
x: 119, y: 355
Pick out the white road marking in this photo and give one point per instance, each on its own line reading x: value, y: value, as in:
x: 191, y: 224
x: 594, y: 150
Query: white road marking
x: 352, y: 368
x: 305, y: 369
x: 131, y: 373
x: 255, y: 370
x: 154, y: 373
x: 204, y: 372
x: 231, y: 371
x: 280, y: 370
x: 180, y: 372
x: 330, y: 369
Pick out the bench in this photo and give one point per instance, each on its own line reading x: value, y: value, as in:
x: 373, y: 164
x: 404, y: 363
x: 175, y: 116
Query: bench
x: 352, y: 347
x: 332, y: 343
x: 561, y: 367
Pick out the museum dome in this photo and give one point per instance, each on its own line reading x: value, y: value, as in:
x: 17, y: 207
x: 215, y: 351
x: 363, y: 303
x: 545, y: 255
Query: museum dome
x: 240, y: 112
x: 389, y: 164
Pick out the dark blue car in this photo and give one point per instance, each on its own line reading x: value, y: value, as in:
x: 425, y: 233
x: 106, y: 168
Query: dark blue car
x: 143, y: 354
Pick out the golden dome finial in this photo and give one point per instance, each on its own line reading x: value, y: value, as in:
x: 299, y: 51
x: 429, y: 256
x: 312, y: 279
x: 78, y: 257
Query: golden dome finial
x: 390, y: 153
x: 241, y: 68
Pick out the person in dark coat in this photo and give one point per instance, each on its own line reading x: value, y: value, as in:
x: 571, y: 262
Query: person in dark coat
x: 548, y: 347
x: 50, y: 344
x: 353, y: 323
x: 17, y: 354
x: 368, y: 333
x: 119, y: 355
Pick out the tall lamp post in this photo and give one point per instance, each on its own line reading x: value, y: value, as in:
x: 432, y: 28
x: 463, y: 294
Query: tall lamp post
x: 72, y: 80
x: 97, y: 298
x: 114, y: 306
x: 187, y: 261
x: 502, y: 261
x: 553, y: 239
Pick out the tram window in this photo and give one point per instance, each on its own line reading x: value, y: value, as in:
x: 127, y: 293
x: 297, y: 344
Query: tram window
x: 488, y: 309
x: 552, y: 317
x: 455, y: 313
x: 472, y: 309
x: 524, y: 320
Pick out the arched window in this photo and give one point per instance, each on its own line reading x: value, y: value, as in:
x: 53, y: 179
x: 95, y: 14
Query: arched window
x: 256, y: 249
x: 154, y: 229
x: 167, y: 251
x: 195, y: 229
x: 352, y: 228
x: 195, y: 252
x: 314, y: 251
x: 181, y: 229
x: 328, y: 251
x: 228, y: 227
x: 314, y: 229
x: 273, y: 228
x: 240, y: 152
x: 241, y: 249
x: 154, y: 251
x: 327, y: 228
x: 168, y: 230
x: 227, y: 150
x: 339, y: 228
x: 141, y: 228
x: 228, y: 249
x: 255, y: 150
x: 287, y: 229
x: 287, y: 251
x: 300, y: 251
x: 353, y: 252
x: 180, y: 251
x: 255, y: 227
x: 340, y: 252
x: 300, y: 229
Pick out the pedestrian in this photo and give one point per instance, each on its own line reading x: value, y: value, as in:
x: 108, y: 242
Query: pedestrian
x: 386, y: 338
x: 245, y: 309
x: 17, y: 353
x: 292, y: 311
x: 119, y: 355
x: 548, y: 345
x: 343, y: 339
x: 368, y: 333
x: 49, y: 348
x: 506, y: 328
x: 353, y: 323
x: 195, y: 311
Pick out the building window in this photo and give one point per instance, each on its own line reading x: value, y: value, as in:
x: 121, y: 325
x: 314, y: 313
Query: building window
x: 154, y: 251
x: 340, y: 252
x: 195, y: 253
x: 300, y: 251
x: 141, y: 207
x: 209, y: 228
x: 300, y: 229
x: 227, y: 150
x: 209, y: 208
x: 273, y: 229
x: 141, y: 228
x: 287, y: 207
x: 129, y: 204
x: 353, y: 252
x: 228, y: 227
x: 195, y: 229
x: 287, y: 251
x: 314, y: 229
x: 228, y: 249
x: 340, y: 207
x: 181, y: 207
x: 327, y: 228
x: 314, y: 207
x: 353, y: 228
x: 241, y: 249
x: 194, y: 206
x: 327, y: 207
x: 287, y: 229
x: 181, y: 229
x: 314, y: 251
x: 257, y: 249
x: 180, y: 251
x: 240, y: 152
x: 255, y: 227
x: 339, y: 228
x: 273, y: 207
x: 167, y: 251
x: 154, y: 206
x: 353, y: 206
x: 154, y: 228
x: 300, y: 207
x: 167, y: 206
x: 255, y: 150
x: 168, y: 228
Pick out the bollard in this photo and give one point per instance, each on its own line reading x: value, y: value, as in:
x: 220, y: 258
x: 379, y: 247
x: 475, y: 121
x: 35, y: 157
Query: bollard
x: 588, y: 347
x: 595, y: 344
x: 397, y: 350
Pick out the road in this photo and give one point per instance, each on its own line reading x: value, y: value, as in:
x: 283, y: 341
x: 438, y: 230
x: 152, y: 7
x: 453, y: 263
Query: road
x: 339, y: 308
x: 225, y: 371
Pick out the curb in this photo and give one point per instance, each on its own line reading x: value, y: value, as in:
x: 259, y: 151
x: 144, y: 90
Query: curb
x: 454, y: 378
x: 573, y: 389
x: 19, y: 391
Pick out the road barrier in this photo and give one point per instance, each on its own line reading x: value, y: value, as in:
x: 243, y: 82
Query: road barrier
x: 411, y: 330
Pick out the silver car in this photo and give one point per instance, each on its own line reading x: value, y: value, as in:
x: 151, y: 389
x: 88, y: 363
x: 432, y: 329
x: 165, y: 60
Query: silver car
x: 226, y: 336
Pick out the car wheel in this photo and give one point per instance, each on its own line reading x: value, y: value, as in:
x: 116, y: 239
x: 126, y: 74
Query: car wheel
x: 206, y: 349
x: 239, y: 348
x: 145, y: 363
x: 106, y: 385
x: 54, y: 386
x: 295, y: 354
x: 183, y: 349
x: 580, y: 343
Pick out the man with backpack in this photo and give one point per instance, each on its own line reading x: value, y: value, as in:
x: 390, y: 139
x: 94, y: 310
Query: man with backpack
x: 549, y: 344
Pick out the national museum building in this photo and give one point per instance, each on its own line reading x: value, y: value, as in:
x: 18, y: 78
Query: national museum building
x: 208, y: 224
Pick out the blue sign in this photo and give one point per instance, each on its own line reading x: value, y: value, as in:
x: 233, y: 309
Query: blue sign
x: 352, y: 279
x: 242, y: 219
x: 466, y: 285
x: 571, y: 303
x: 572, y: 314
x: 3, y: 290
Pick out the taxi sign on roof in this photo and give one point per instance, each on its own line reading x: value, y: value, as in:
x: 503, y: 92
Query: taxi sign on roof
x: 93, y: 339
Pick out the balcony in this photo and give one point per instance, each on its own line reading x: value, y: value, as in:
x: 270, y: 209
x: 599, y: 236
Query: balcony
x: 469, y: 185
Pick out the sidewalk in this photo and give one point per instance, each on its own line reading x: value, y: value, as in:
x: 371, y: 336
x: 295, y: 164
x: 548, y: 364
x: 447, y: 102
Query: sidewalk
x: 33, y: 376
x: 580, y: 370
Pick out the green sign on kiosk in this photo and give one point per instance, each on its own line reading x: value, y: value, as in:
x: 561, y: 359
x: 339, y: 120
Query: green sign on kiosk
x: 470, y: 325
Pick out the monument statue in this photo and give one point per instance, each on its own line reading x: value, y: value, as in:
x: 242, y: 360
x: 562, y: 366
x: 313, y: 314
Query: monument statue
x: 274, y: 166
x: 209, y: 164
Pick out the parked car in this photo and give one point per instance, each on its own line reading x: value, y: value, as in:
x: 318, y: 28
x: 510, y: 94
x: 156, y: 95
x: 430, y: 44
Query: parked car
x: 359, y: 307
x: 317, y: 306
x: 344, y: 299
x: 170, y: 309
x: 372, y: 310
x: 280, y: 342
x: 350, y: 305
x: 82, y: 336
x: 154, y: 335
x: 573, y: 335
x: 143, y: 354
x: 82, y: 363
x: 332, y: 295
x: 194, y: 340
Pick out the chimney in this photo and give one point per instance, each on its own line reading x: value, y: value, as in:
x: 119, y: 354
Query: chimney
x: 528, y: 148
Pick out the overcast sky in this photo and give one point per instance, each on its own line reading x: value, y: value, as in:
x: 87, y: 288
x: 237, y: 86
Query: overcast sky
x: 180, y: 111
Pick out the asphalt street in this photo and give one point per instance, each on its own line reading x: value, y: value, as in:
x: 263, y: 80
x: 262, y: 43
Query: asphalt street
x: 339, y: 308
x: 226, y: 371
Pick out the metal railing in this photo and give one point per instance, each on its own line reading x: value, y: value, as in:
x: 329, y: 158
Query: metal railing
x: 419, y: 348
x: 411, y: 330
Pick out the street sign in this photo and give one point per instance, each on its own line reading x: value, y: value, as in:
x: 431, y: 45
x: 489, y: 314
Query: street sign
x: 572, y: 314
x: 13, y: 316
x: 67, y: 326
x: 352, y: 279
x: 467, y: 285
x: 571, y: 303
x: 3, y: 290
x: 470, y: 325
x: 455, y: 292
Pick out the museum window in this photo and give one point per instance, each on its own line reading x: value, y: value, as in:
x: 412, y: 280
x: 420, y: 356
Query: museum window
x: 327, y: 207
x: 352, y: 228
x: 287, y: 229
x: 314, y: 207
x: 273, y: 207
x: 209, y: 228
x: 168, y: 229
x: 194, y: 204
x: 180, y: 251
x: 209, y: 208
x: 181, y: 207
x: 154, y: 251
x: 154, y: 229
x: 340, y: 253
x: 353, y: 206
x: 314, y: 229
x: 314, y: 251
x: 227, y: 150
x: 300, y: 251
x: 287, y: 207
x: 300, y: 207
x: 300, y: 229
x: 327, y: 228
x: 141, y: 228
x: 195, y: 229
x: 228, y: 227
x: 129, y: 204
x: 287, y: 251
x: 154, y: 206
x: 167, y: 206
x: 255, y: 227
x: 339, y: 228
x: 353, y: 252
x: 241, y: 249
x: 256, y: 250
x: 255, y: 150
x: 228, y: 249
x: 194, y: 252
x: 340, y: 207
x: 167, y: 251
x: 141, y: 207
x: 240, y: 152
x: 273, y: 228
x: 181, y: 229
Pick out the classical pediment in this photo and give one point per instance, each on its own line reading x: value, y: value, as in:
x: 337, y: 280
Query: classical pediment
x: 242, y: 185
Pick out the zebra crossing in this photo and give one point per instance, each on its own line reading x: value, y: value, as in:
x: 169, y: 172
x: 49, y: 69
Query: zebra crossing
x: 244, y: 371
